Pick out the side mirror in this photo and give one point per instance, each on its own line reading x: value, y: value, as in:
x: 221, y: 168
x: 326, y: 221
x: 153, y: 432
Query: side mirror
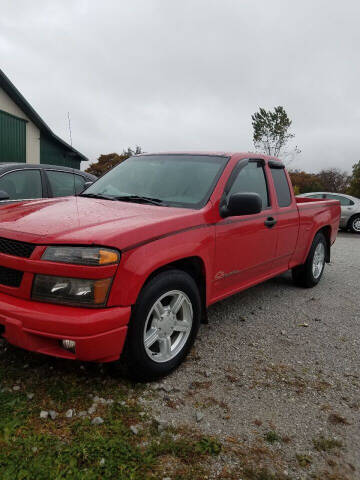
x: 85, y: 186
x: 4, y: 195
x: 242, y: 204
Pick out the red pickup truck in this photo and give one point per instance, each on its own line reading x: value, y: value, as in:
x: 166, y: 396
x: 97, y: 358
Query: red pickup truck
x: 129, y: 266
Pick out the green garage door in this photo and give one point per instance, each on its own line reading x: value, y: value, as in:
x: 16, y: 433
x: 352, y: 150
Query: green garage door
x: 12, y: 138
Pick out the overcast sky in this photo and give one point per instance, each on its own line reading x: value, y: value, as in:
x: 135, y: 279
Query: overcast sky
x: 188, y: 74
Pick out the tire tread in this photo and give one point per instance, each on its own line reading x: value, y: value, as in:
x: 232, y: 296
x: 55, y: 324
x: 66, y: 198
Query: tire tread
x: 302, y: 275
x: 132, y: 361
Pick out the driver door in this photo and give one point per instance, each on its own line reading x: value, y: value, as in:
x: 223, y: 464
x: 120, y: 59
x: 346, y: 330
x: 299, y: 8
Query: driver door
x: 246, y: 245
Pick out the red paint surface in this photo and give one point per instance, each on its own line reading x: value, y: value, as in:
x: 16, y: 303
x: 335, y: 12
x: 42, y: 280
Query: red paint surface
x: 236, y: 252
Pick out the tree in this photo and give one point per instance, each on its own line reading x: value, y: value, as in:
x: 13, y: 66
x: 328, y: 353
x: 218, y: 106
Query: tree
x: 354, y: 188
x: 271, y: 131
x: 334, y: 180
x: 305, y: 182
x: 107, y: 161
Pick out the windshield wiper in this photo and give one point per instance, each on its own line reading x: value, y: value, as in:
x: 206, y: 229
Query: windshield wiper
x: 140, y: 198
x: 125, y: 198
x: 97, y: 195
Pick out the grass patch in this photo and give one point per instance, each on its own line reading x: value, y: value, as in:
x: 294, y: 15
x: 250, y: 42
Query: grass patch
x: 188, y: 447
x: 74, y: 448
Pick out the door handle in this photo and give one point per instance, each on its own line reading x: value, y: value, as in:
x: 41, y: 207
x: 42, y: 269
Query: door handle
x: 270, y: 222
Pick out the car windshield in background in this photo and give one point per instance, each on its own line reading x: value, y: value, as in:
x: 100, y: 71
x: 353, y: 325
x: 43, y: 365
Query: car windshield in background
x: 171, y: 180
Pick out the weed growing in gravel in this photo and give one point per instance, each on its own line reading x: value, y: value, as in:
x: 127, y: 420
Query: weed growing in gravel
x: 272, y: 437
x: 323, y: 444
x: 303, y: 460
x: 263, y: 474
x: 337, y: 419
x: 209, y: 446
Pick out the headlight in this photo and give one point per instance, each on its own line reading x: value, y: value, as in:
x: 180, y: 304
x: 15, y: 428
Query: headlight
x: 71, y: 291
x: 81, y: 255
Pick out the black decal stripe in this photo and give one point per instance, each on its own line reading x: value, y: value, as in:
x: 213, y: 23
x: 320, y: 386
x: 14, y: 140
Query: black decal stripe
x: 240, y: 220
x: 271, y: 213
x: 223, y: 222
x: 165, y: 235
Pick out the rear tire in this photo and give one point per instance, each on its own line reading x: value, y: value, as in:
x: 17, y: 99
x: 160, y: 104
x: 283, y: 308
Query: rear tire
x: 309, y: 274
x: 354, y: 224
x: 161, y: 332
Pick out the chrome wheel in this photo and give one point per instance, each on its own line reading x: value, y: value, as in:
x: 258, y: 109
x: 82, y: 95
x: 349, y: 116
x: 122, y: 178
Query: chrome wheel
x: 168, y: 326
x: 318, y: 260
x: 356, y: 225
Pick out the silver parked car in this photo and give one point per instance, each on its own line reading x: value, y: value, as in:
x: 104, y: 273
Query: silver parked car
x: 350, y: 208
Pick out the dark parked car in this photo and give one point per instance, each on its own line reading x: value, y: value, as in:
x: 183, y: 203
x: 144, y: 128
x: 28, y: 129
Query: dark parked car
x: 24, y: 181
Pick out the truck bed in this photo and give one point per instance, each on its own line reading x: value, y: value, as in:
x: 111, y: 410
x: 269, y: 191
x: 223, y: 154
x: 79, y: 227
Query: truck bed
x: 313, y: 214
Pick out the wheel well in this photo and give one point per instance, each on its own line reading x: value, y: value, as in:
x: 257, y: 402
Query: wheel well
x: 327, y: 234
x: 195, y: 267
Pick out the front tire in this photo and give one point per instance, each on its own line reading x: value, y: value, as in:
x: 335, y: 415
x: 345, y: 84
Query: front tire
x: 354, y: 224
x: 309, y: 274
x: 163, y: 326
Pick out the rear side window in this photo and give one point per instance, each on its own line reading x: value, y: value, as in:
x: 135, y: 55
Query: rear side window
x: 343, y: 200
x: 62, y: 183
x: 79, y: 184
x: 318, y: 195
x: 281, y: 186
x: 251, y: 179
x: 22, y: 184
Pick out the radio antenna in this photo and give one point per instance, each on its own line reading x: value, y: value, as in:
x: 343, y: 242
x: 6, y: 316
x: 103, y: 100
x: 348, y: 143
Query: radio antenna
x: 69, y: 128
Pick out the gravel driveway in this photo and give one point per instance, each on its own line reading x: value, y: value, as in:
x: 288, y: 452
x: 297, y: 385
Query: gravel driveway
x: 274, y: 376
x: 278, y: 366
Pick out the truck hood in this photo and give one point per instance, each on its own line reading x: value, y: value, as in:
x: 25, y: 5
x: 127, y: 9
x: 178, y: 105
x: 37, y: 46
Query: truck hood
x: 80, y: 220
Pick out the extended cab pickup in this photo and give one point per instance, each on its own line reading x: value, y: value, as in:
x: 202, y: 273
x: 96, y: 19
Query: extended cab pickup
x: 129, y: 266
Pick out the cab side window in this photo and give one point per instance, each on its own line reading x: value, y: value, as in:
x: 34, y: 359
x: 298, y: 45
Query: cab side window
x: 22, y: 184
x: 281, y: 186
x: 251, y: 179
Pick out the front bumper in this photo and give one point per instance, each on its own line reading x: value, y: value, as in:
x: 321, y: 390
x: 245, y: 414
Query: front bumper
x: 39, y: 327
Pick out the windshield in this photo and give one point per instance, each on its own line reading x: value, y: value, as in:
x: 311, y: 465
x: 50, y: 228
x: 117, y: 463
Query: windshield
x: 174, y: 180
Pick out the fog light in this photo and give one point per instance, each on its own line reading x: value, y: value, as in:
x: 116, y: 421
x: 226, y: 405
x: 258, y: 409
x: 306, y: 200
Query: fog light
x: 69, y: 345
